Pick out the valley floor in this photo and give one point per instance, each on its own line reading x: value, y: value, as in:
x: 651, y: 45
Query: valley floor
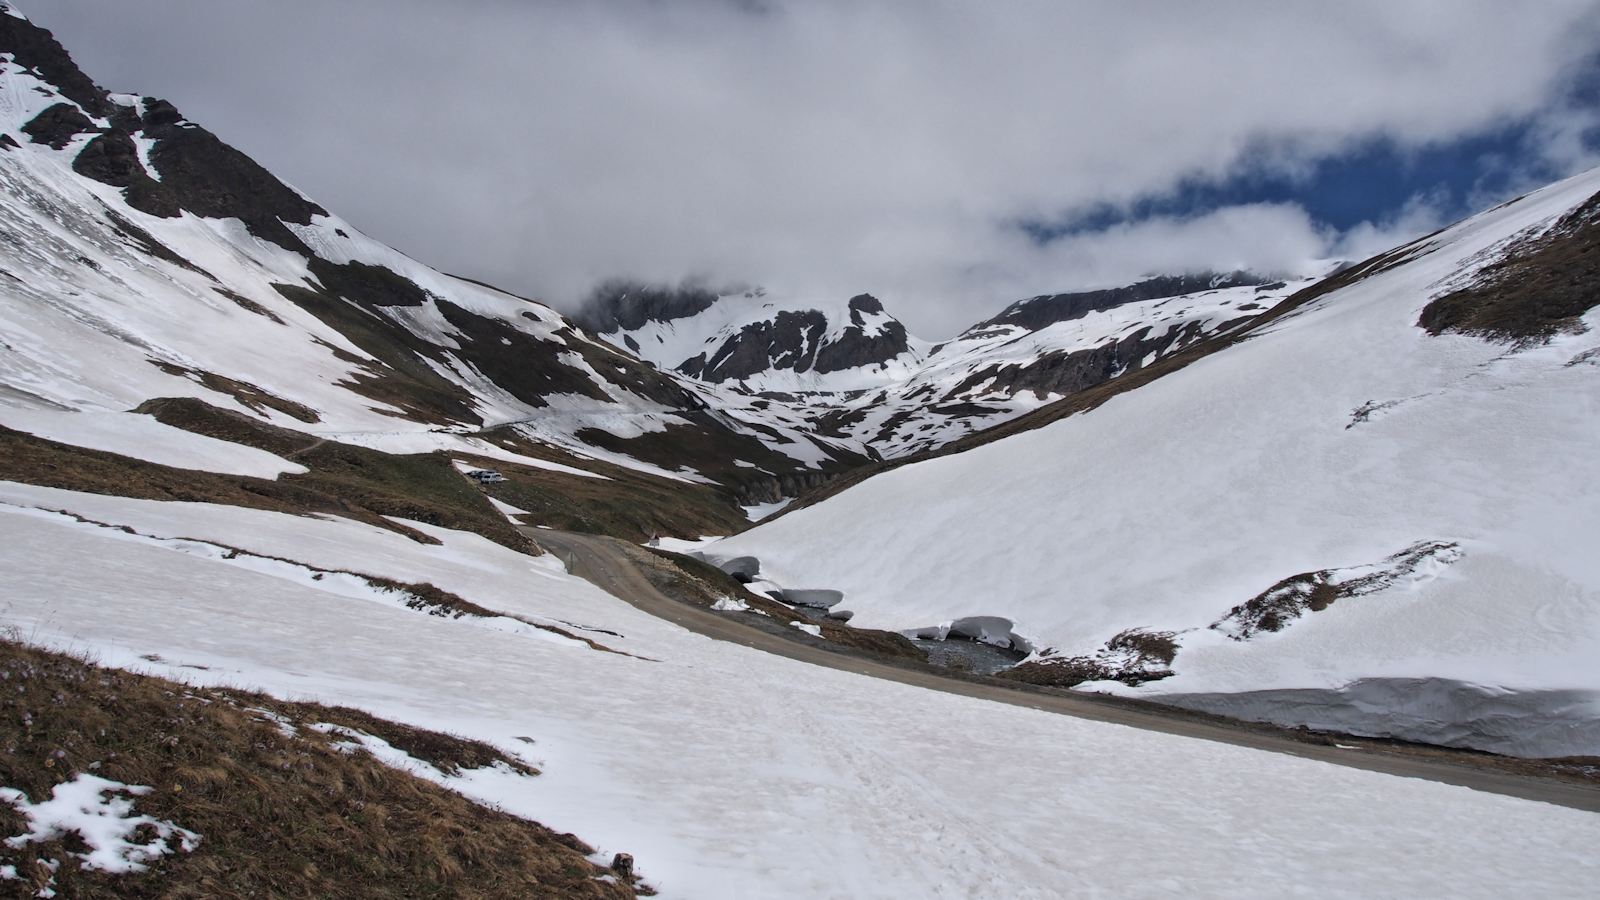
x: 1572, y: 782
x: 731, y: 772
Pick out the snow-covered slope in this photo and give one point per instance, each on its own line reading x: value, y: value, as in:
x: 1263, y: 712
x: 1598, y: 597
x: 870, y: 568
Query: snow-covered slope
x: 1001, y: 369
x: 1437, y: 489
x: 142, y: 257
x: 729, y: 772
x: 764, y: 342
x: 847, y: 372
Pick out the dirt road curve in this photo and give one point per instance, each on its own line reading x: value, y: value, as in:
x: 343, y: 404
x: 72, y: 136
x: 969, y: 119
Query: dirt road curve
x: 601, y: 561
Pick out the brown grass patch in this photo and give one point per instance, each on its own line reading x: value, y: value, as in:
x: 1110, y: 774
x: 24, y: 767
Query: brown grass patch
x: 626, y: 504
x: 248, y: 394
x: 279, y: 814
x: 1132, y: 657
x: 348, y: 481
x: 1538, y: 289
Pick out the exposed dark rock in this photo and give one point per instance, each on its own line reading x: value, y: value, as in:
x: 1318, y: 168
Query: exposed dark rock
x: 1035, y: 313
x: 628, y: 305
x: 159, y: 112
x: 211, y: 179
x: 1062, y: 373
x: 198, y: 172
x: 368, y: 285
x: 524, y: 366
x: 637, y: 376
x: 110, y: 159
x: 7, y: 142
x: 113, y: 159
x: 772, y: 488
x: 862, y: 304
x: 37, y: 49
x: 789, y: 340
x: 57, y: 125
x: 855, y: 348
x: 704, y: 445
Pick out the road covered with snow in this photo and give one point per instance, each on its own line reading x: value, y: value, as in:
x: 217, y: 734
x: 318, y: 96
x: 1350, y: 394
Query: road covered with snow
x: 733, y: 773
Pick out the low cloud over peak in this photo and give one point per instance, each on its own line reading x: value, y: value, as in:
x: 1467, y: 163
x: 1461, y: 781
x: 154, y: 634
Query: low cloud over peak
x: 840, y: 147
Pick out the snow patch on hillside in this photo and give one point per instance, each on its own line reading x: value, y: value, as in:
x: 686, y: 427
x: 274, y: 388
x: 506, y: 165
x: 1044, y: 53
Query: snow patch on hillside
x: 143, y: 437
x: 98, y: 812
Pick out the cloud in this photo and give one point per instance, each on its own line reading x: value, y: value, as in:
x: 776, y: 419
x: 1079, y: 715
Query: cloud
x: 823, y: 145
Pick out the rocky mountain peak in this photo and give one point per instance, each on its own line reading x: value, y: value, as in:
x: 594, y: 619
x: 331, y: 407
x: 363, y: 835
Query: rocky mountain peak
x: 1038, y: 312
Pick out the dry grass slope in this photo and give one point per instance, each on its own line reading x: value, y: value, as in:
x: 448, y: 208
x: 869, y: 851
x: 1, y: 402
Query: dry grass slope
x: 1538, y: 289
x: 280, y: 814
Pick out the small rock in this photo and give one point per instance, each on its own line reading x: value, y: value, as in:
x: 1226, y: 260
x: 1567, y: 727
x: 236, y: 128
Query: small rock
x: 622, y: 864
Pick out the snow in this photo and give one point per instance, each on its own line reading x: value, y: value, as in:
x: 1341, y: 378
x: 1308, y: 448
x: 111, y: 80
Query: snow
x: 89, y: 807
x: 90, y: 315
x: 507, y: 510
x: 683, y: 545
x: 671, y: 343
x: 808, y: 628
x: 1169, y: 505
x: 144, y: 437
x: 929, y: 396
x: 712, y: 763
x: 758, y: 511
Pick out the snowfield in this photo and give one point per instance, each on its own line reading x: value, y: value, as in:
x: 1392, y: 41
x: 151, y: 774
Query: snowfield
x: 731, y: 773
x: 1337, y: 438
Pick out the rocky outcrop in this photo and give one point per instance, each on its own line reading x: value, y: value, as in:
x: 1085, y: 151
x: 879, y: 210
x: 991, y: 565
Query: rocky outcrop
x: 799, y: 341
x: 1061, y: 372
x: 1035, y: 313
x: 198, y: 172
x: 35, y: 48
x: 211, y: 179
x: 623, y: 305
x: 865, y: 342
x: 789, y: 340
x: 57, y: 125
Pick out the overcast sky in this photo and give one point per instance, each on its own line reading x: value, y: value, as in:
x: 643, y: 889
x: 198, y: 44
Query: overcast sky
x: 947, y: 157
